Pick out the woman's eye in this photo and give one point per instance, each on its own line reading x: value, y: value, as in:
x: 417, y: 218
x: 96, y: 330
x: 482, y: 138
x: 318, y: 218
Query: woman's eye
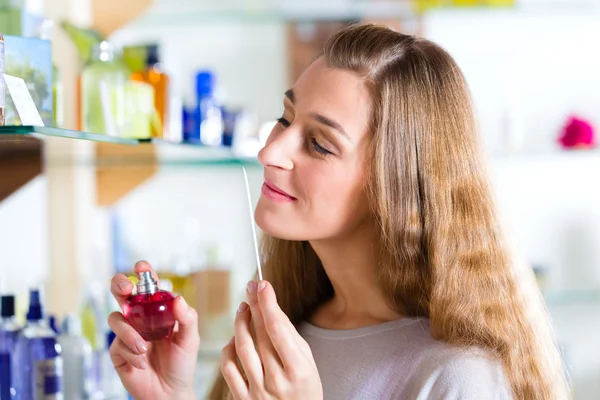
x: 318, y: 148
x: 284, y: 122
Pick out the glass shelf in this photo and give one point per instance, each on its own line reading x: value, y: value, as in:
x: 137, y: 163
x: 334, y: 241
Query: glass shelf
x: 165, y: 154
x: 9, y: 132
x: 163, y: 14
x: 184, y: 154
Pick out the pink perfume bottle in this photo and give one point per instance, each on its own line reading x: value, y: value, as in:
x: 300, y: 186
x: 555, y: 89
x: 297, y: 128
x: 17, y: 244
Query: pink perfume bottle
x: 150, y: 310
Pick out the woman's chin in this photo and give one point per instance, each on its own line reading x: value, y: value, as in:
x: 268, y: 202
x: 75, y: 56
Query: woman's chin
x: 275, y: 227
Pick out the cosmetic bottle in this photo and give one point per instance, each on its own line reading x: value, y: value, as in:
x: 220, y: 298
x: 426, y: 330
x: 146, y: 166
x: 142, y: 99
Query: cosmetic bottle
x: 78, y: 360
x: 9, y: 331
x: 209, y: 119
x: 103, y: 92
x: 38, y: 357
x: 155, y: 76
x: 150, y: 310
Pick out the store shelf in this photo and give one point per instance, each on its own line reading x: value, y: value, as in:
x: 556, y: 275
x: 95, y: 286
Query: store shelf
x: 186, y: 13
x: 13, y: 132
x: 165, y: 154
x: 194, y: 155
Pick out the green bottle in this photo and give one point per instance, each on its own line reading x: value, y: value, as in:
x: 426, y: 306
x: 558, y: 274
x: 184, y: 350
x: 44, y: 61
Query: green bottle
x: 103, y: 82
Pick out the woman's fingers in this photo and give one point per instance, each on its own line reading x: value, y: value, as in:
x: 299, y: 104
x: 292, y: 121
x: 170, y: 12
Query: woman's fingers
x: 281, y: 331
x: 231, y: 372
x: 187, y: 336
x: 122, y: 356
x: 125, y: 332
x: 244, y: 346
x: 121, y: 288
x: 266, y: 351
x: 143, y: 266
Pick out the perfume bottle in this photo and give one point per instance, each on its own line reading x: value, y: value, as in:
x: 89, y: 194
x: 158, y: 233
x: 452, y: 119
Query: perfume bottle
x: 38, y: 359
x: 77, y: 360
x: 150, y: 310
x: 9, y: 332
x: 156, y: 77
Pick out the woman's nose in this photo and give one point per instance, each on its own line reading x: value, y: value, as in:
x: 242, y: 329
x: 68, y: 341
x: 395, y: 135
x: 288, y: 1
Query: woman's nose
x: 277, y: 152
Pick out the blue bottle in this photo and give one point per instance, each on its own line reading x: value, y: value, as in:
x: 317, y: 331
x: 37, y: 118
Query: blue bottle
x: 38, y: 361
x: 9, y: 332
x: 209, y: 119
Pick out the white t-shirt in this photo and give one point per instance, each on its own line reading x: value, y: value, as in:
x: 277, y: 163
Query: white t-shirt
x: 400, y: 360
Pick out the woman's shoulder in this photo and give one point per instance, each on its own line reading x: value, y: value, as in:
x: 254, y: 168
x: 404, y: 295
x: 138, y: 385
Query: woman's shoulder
x: 452, y: 372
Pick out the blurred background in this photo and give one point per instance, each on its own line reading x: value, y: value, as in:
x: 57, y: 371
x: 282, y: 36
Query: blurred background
x: 152, y: 107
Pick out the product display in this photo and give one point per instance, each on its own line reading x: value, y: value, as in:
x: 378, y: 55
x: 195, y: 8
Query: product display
x: 103, y: 97
x: 150, y: 310
x: 38, y: 361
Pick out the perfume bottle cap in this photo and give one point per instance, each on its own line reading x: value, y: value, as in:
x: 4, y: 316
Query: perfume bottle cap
x: 35, y: 306
x: 8, y: 306
x: 146, y: 283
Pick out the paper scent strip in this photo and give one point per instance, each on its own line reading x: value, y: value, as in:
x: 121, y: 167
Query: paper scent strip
x: 252, y: 225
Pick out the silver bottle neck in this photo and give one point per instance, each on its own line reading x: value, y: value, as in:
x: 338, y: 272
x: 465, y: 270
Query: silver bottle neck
x: 146, y: 283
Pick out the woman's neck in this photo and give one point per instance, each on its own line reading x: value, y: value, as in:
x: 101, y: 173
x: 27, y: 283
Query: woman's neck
x: 352, y: 266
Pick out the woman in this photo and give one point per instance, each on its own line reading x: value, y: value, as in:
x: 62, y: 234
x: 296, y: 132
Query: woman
x: 386, y: 273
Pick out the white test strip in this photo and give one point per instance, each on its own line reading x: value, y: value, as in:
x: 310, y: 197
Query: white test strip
x: 251, y: 211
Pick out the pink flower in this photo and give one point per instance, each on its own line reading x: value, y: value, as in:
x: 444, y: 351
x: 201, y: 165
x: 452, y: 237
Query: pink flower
x: 577, y: 133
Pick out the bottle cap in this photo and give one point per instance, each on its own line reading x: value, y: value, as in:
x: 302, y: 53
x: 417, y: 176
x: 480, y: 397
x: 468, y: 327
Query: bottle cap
x: 146, y: 283
x: 152, y: 55
x: 53, y: 324
x: 35, y: 306
x: 103, y: 51
x: 8, y: 306
x: 205, y: 83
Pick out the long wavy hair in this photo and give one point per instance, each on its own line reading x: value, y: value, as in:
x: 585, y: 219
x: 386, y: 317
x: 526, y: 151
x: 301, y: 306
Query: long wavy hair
x: 442, y: 252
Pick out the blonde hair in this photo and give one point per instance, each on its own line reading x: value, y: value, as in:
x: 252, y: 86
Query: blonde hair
x: 442, y: 251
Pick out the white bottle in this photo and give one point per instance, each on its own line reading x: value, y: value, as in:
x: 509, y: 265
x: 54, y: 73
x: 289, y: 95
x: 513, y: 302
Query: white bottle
x: 77, y: 360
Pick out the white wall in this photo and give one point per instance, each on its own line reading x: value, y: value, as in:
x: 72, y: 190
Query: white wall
x: 535, y: 65
x: 24, y: 257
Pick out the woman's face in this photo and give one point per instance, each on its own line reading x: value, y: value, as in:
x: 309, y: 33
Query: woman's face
x: 314, y: 159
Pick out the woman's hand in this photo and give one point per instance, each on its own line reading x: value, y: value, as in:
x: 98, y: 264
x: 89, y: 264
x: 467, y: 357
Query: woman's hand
x: 281, y: 366
x: 162, y: 369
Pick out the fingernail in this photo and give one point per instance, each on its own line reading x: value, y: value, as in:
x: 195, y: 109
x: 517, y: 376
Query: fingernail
x: 124, y: 284
x: 243, y: 307
x: 141, y: 347
x: 262, y: 285
x: 143, y: 365
x: 251, y: 287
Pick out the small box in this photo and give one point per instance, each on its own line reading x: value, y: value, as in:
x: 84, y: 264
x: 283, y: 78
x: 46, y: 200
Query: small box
x: 31, y: 60
x: 210, y: 296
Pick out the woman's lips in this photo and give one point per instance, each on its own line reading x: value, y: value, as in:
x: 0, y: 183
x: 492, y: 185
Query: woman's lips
x: 271, y: 191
